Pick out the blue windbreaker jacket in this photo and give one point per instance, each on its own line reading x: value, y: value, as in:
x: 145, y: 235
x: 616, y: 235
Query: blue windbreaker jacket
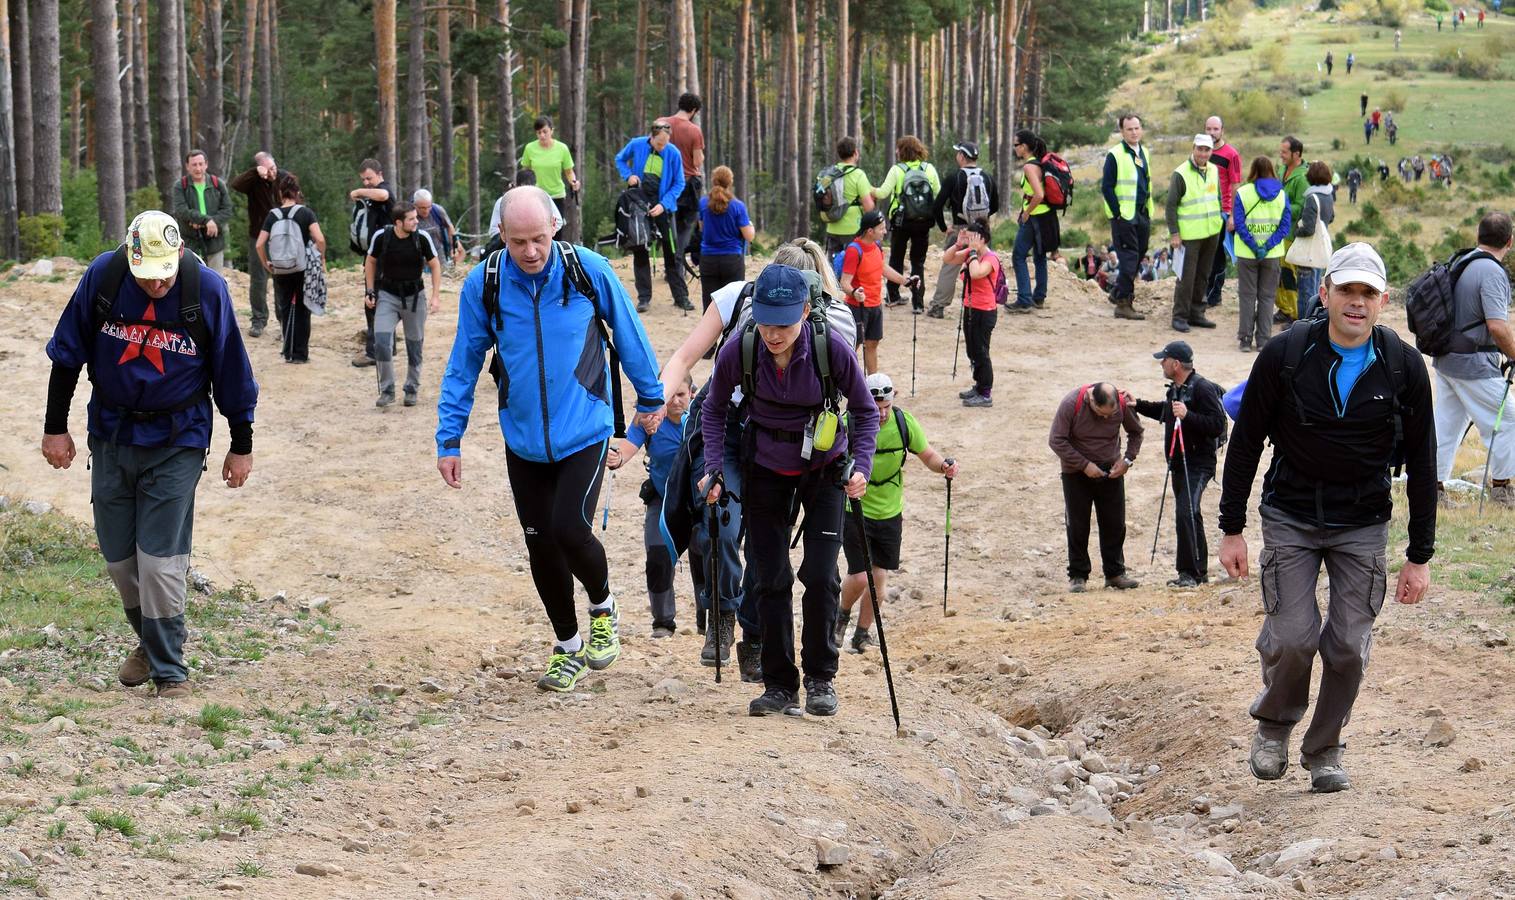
x: 555, y: 398
x: 633, y: 157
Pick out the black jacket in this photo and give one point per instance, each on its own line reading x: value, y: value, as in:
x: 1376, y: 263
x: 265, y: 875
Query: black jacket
x: 1334, y: 470
x: 950, y: 198
x: 1204, y: 426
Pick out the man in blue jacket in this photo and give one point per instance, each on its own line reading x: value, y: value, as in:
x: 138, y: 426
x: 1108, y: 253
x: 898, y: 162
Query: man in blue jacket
x: 654, y: 166
x: 157, y: 331
x: 558, y: 420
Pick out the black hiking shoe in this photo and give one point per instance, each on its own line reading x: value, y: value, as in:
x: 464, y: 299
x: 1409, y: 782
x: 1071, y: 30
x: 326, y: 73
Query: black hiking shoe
x: 724, y: 633
x: 684, y: 304
x: 1329, y: 778
x: 820, y: 697
x: 749, y: 659
x: 862, y: 639
x: 936, y: 312
x: 643, y: 305
x: 1180, y: 325
x: 775, y: 701
x: 1184, y: 581
x: 1202, y: 322
x: 970, y: 392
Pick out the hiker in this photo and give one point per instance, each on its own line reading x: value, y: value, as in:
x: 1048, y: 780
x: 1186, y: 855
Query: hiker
x: 1403, y: 167
x: 967, y: 195
x: 729, y: 311
x: 1354, y: 181
x: 1127, y: 191
x: 1037, y: 233
x: 855, y: 197
x: 1296, y: 183
x: 725, y: 232
x: 286, y: 260
x: 1362, y: 102
x: 551, y: 163
x: 1418, y: 163
x: 1228, y: 167
x: 662, y: 446
x: 1330, y: 62
x: 392, y: 288
x: 863, y: 273
x: 1341, y: 401
x: 655, y: 168
x: 789, y: 403
x: 1383, y: 171
x: 1391, y: 128
x: 1192, y: 403
x: 551, y: 295
x: 1194, y: 224
x: 261, y: 186
x: 1367, y: 131
x: 910, y: 190
x: 1398, y: 36
x: 1318, y: 210
x: 1377, y: 118
x: 690, y: 141
x: 982, y: 271
x: 1262, y: 222
x: 433, y: 219
x: 1085, y: 436
x: 1351, y: 61
x: 1470, y: 386
x: 159, y: 335
x: 372, y: 206
x: 899, y: 435
x: 202, y: 207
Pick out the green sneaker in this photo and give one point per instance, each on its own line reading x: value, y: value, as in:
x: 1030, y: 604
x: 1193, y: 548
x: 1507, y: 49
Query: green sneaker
x: 564, y: 670
x: 604, y: 646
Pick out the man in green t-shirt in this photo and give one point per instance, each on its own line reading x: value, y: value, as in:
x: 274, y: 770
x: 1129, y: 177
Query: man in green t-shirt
x: 202, y: 206
x: 883, y: 509
x: 552, y: 162
x: 859, y: 195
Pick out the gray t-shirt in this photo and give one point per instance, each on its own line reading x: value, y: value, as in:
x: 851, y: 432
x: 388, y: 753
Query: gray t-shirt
x: 1482, y: 292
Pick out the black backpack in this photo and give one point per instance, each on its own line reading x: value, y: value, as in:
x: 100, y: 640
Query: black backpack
x: 917, y: 199
x: 1431, y: 307
x: 1390, y: 347
x: 633, y: 225
x: 191, y: 319
x: 573, y: 275
x: 903, y: 449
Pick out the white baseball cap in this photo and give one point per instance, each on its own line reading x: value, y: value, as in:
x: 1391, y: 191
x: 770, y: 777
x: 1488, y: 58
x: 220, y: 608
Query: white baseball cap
x: 153, y: 245
x: 880, y: 385
x: 1204, y: 140
x: 1358, y: 263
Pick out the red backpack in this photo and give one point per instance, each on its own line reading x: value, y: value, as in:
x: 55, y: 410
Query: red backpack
x: 1078, y: 405
x: 1057, y: 181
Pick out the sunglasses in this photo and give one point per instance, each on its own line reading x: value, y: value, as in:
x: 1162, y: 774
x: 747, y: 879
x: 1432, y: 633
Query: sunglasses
x: 881, y: 393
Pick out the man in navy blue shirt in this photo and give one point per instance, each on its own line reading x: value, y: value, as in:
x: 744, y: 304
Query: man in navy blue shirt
x: 157, y: 331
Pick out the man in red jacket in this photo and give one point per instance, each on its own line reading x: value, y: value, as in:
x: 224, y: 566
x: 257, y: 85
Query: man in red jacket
x: 1227, y: 163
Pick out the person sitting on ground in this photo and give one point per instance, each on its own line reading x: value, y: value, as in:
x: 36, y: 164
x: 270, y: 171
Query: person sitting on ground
x: 1085, y: 435
x: 863, y: 275
x: 981, y: 267
x: 662, y: 446
x: 1089, y: 263
x: 801, y: 459
x: 899, y: 435
x: 1108, y: 271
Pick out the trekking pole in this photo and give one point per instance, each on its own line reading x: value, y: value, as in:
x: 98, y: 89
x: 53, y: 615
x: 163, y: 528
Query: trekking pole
x: 914, y: 326
x: 959, y: 345
x: 1494, y: 438
x: 1163, y: 497
x: 878, y: 616
x: 713, y: 617
x: 1183, y: 456
x: 609, y: 495
x: 947, y: 550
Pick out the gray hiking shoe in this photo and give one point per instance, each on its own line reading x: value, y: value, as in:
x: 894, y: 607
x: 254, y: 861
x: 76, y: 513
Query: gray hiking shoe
x: 862, y: 639
x: 820, y: 697
x: 1268, y: 759
x: 775, y: 701
x: 978, y: 401
x: 1328, y: 778
x: 1077, y: 585
x: 1502, y: 494
x: 843, y: 619
x: 384, y: 400
x: 970, y: 392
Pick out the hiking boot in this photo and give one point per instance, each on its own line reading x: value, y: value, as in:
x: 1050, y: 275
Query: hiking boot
x: 1268, y: 758
x: 1202, y: 322
x: 1502, y: 494
x: 775, y: 701
x: 643, y: 305
x: 978, y: 401
x: 256, y: 330
x: 843, y: 619
x: 410, y: 398
x: 936, y: 312
x: 564, y: 670
x: 722, y: 635
x: 178, y: 690
x: 385, y: 400
x: 1077, y: 585
x: 1244, y: 346
x: 134, y: 669
x: 684, y: 304
x: 1019, y: 308
x: 862, y: 639
x: 1124, y: 310
x: 362, y: 360
x: 820, y: 697
x: 1328, y: 778
x: 749, y: 659
x: 604, y: 646
x: 1181, y: 325
x: 662, y: 630
x: 970, y: 392
x: 1121, y: 583
x: 1039, y: 304
x: 1184, y: 581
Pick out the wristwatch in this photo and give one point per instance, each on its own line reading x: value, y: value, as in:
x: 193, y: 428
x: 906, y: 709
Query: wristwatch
x: 1130, y: 463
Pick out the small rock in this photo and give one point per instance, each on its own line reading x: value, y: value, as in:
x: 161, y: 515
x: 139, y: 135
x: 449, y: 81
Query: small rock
x: 200, y: 582
x: 643, y: 792
x: 96, y: 684
x: 526, y: 803
x: 17, y: 801
x: 228, y: 836
x: 353, y: 845
x: 51, y: 636
x: 37, y: 507
x: 234, y: 886
x: 575, y: 806
x: 432, y: 686
x: 1296, y: 855
x: 1388, y: 853
x: 386, y: 690
x: 1008, y: 666
x: 1216, y: 863
x: 1094, y: 764
x: 669, y: 689
x: 1471, y: 764
x: 1440, y: 734
x: 59, y: 724
x: 829, y: 853
x: 318, y: 869
x: 272, y: 745
x: 15, y: 859
x: 1065, y: 772
x: 1229, y: 811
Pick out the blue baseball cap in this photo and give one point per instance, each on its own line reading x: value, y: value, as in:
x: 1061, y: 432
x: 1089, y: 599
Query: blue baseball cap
x: 779, y: 295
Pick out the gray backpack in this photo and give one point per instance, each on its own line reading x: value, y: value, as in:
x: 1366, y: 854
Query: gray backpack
x: 286, y: 243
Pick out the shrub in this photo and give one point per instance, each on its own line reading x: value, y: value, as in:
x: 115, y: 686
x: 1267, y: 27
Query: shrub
x: 1402, y: 258
x: 1438, y: 6
x: 1075, y: 237
x: 1270, y: 57
x: 142, y: 199
x: 1480, y: 64
x: 1254, y: 111
x: 1399, y: 66
x: 41, y: 235
x: 1394, y: 100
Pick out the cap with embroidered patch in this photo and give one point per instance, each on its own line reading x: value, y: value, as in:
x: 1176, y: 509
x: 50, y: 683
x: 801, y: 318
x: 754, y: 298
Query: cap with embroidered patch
x: 153, y: 245
x: 779, y: 295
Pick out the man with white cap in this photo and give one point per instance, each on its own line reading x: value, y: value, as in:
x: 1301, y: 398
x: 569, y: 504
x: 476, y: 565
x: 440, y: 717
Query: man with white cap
x: 159, y: 344
x: 1343, y: 401
x: 1194, y: 223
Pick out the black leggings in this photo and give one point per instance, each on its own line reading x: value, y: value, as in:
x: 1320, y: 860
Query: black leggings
x: 917, y: 240
x: 718, y: 270
x: 555, y: 503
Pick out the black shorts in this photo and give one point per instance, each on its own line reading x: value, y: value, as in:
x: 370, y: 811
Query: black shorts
x: 870, y: 322
x: 883, y: 543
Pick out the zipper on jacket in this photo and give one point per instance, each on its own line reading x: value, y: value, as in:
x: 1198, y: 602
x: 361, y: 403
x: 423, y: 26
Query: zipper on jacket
x: 536, y: 316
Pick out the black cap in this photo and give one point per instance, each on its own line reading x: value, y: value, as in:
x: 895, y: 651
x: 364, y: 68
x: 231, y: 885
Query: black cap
x: 871, y: 219
x: 1179, y: 350
x: 967, y: 148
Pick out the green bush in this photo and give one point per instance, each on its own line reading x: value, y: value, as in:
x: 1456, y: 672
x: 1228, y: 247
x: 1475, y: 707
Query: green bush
x: 41, y: 235
x: 81, y: 214
x: 1254, y: 111
x: 1401, y: 257
x: 143, y: 199
x: 1399, y: 66
x: 1075, y: 237
x: 1451, y: 242
x: 1479, y: 64
x: 1438, y: 6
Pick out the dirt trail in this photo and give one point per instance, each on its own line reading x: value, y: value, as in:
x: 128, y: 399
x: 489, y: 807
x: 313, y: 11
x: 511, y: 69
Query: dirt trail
x: 652, y: 782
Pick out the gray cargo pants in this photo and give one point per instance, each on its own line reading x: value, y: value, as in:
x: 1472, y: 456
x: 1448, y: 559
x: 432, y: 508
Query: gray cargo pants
x: 392, y: 311
x: 1292, y: 633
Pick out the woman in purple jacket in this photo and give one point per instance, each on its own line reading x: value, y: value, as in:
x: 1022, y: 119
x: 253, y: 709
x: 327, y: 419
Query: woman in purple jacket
x: 790, y: 463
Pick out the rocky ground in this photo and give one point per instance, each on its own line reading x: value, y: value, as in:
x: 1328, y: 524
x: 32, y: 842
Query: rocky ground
x: 365, y: 642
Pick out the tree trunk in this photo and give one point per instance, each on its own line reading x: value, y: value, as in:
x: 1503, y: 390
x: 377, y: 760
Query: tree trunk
x: 181, y: 55
x: 855, y: 87
x: 266, y: 70
x: 1169, y: 14
x: 471, y: 88
x: 417, y: 124
x: 789, y: 162
x: 573, y: 61
x: 213, y: 100
x: 47, y: 109
x: 507, y: 143
x: 843, y: 33
x: 24, y: 125
x: 739, y: 124
x: 639, y: 71
x: 807, y: 81
x: 128, y: 99
x: 166, y: 110
x: 446, y: 153
x: 384, y: 45
x: 142, y: 96
x: 691, y: 51
x: 1007, y: 105
x: 108, y: 136
x: 10, y: 233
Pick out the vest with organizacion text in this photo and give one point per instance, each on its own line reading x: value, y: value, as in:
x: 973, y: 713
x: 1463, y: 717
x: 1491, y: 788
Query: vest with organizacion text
x: 1263, y: 217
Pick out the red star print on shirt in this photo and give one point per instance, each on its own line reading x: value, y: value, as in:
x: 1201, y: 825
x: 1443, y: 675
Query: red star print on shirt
x: 140, y: 344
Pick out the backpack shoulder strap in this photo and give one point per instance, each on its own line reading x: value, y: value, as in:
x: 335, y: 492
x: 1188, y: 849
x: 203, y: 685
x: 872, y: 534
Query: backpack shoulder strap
x: 820, y: 351
x: 109, y: 287
x: 1296, y: 341
x: 1391, y: 348
x: 749, y: 362
x: 903, y: 424
x: 190, y: 313
x: 575, y: 274
x: 492, y: 318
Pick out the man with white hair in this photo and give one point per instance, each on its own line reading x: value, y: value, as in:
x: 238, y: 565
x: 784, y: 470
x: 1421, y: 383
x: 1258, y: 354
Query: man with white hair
x: 434, y: 221
x: 1228, y: 168
x: 548, y: 310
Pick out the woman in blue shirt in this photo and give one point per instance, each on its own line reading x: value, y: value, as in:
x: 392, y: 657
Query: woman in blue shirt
x: 725, y: 231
